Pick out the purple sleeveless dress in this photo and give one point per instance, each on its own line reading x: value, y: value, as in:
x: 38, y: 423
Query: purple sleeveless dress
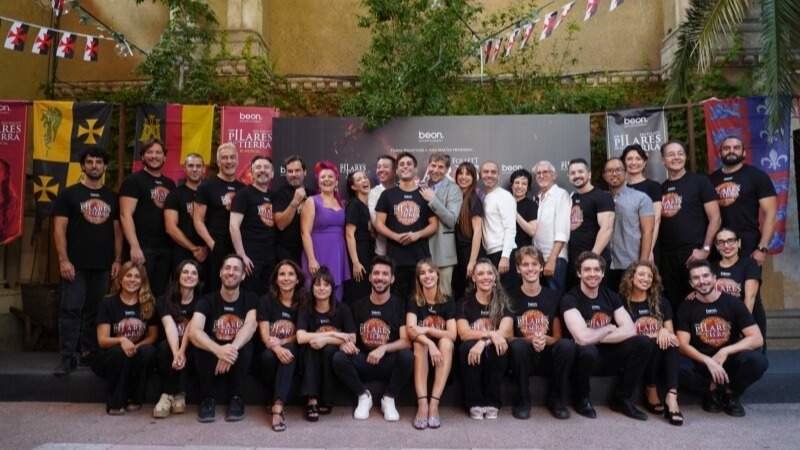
x: 327, y: 236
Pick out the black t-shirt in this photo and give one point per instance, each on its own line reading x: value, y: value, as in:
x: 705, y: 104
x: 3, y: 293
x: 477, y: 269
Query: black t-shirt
x: 477, y: 315
x: 528, y: 210
x: 731, y: 280
x: 125, y: 320
x: 151, y: 193
x: 181, y: 315
x: 258, y: 226
x: 583, y: 219
x: 217, y: 194
x: 181, y: 199
x: 739, y: 193
x: 316, y: 322
x: 357, y: 214
x: 289, y: 237
x: 649, y: 187
x: 90, y: 229
x: 534, y: 315
x: 378, y: 324
x: 225, y: 319
x: 282, y: 320
x: 597, y: 312
x: 475, y: 209
x: 683, y: 216
x: 405, y: 212
x: 645, y: 319
x: 714, y: 325
x: 433, y: 316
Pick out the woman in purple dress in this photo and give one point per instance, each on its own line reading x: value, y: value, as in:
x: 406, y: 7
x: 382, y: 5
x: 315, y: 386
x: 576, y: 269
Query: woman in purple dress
x: 322, y: 220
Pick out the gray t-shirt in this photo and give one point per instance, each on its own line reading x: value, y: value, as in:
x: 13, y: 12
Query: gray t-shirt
x: 629, y: 205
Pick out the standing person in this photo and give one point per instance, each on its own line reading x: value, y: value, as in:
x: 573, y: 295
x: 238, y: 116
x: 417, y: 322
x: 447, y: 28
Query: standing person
x: 141, y: 213
x: 212, y: 212
x: 385, y: 170
x: 252, y: 226
x: 499, y: 220
x: 444, y: 199
x: 382, y: 350
x: 722, y: 342
x: 520, y: 186
x: 277, y: 319
x: 591, y: 219
x: 631, y: 239
x: 745, y: 195
x: 289, y: 197
x: 635, y: 160
x: 606, y: 338
x: 178, y: 207
x: 358, y: 235
x: 324, y: 326
x: 431, y: 327
x: 689, y: 220
x: 484, y: 327
x: 469, y: 228
x: 176, y: 308
x: 221, y: 329
x: 126, y: 332
x: 538, y: 345
x: 88, y: 241
x: 552, y: 226
x: 322, y: 222
x: 403, y: 216
x: 640, y: 288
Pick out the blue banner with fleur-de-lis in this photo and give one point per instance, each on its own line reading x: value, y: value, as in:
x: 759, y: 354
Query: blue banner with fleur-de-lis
x: 747, y: 119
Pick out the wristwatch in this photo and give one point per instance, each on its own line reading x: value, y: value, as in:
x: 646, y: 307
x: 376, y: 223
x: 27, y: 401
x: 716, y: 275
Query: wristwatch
x: 762, y: 248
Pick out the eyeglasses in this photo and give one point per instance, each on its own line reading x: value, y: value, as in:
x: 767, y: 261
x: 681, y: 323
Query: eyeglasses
x: 724, y: 242
x: 615, y: 171
x: 540, y: 173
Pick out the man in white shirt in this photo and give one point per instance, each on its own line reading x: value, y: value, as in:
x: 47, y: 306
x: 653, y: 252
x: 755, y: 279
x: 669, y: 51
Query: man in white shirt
x: 553, y: 225
x: 499, y: 221
x: 384, y: 171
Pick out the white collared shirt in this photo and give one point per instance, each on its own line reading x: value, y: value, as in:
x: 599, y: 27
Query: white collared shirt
x: 552, y: 222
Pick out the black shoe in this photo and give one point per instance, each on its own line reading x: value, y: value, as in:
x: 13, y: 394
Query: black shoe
x: 712, y: 402
x: 521, y: 412
x: 235, y: 410
x: 557, y: 408
x: 732, y: 406
x: 67, y: 365
x: 626, y: 406
x: 207, y: 410
x: 584, y: 407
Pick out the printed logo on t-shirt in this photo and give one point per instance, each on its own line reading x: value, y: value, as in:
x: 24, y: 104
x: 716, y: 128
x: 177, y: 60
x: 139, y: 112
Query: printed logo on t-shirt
x: 670, y: 204
x: 433, y: 321
x: 714, y: 331
x: 575, y: 217
x: 226, y: 327
x: 181, y: 326
x: 95, y: 211
x: 265, y: 214
x: 159, y: 194
x: 227, y: 200
x: 130, y: 327
x: 374, y: 333
x: 482, y: 324
x: 282, y: 329
x: 533, y: 323
x: 729, y: 286
x: 728, y: 192
x: 598, y: 320
x: 407, y: 212
x: 190, y: 208
x: 647, y: 326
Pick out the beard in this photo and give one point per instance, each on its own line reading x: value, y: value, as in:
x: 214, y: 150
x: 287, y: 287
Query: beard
x: 381, y: 290
x: 732, y: 159
x: 92, y: 176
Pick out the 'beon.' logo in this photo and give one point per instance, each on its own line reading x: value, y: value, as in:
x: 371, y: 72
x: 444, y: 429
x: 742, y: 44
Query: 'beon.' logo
x: 430, y: 136
x: 634, y: 121
x: 246, y: 117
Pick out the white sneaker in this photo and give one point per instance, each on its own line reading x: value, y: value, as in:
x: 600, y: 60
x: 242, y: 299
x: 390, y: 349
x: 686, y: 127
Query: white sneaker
x: 162, y: 408
x: 390, y: 413
x: 477, y: 412
x: 179, y: 403
x: 364, y: 405
x: 491, y: 412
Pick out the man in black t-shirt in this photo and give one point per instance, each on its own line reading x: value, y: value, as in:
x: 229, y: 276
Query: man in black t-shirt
x: 606, y: 339
x: 88, y: 240
x: 382, y: 351
x: 404, y: 217
x: 141, y: 213
x: 211, y: 215
x: 721, y: 341
x: 288, y: 197
x: 744, y: 192
x: 222, y: 328
x: 178, y: 214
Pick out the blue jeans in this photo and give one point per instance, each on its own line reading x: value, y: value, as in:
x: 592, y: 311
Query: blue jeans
x: 559, y: 279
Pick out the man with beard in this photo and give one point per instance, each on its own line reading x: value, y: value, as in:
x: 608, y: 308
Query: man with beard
x: 178, y: 213
x: 384, y: 171
x: 499, y: 220
x: 552, y: 226
x: 382, y: 351
x: 141, y: 211
x: 287, y: 199
x: 211, y: 215
x: 591, y: 217
x: 721, y: 340
x: 744, y: 191
x: 88, y: 240
x: 222, y: 326
x: 252, y: 226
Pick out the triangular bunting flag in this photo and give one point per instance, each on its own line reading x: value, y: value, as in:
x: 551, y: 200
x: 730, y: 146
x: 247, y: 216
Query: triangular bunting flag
x: 15, y: 40
x: 564, y: 11
x: 549, y: 25
x: 66, y: 46
x: 43, y: 42
x: 512, y: 37
x: 591, y: 9
x: 58, y: 6
x: 487, y: 50
x: 90, y: 53
x: 527, y: 31
x: 615, y: 4
x: 498, y: 44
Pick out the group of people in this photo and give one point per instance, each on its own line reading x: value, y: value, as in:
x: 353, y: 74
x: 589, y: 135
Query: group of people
x: 417, y: 275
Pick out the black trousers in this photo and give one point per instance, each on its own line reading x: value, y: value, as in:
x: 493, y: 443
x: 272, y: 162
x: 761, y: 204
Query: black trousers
x: 318, y: 378
x: 404, y: 281
x: 206, y: 363
x: 78, y: 310
x: 263, y: 264
x: 662, y: 363
x: 482, y: 382
x: 174, y: 381
x: 613, y: 278
x: 179, y: 254
x: 158, y: 262
x: 285, y: 251
x: 394, y: 368
x: 743, y: 368
x: 760, y: 316
x: 460, y: 281
x: 675, y: 276
x: 506, y: 279
x: 555, y: 361
x: 278, y: 374
x: 629, y: 357
x: 126, y: 377
x: 222, y: 248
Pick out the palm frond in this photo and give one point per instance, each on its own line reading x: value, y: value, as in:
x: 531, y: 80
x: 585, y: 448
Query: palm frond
x: 722, y: 17
x: 780, y: 20
x: 685, y: 58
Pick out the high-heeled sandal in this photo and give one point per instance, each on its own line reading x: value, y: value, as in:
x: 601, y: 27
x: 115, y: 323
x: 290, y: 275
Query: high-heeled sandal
x: 655, y: 408
x: 281, y: 425
x: 324, y: 409
x: 312, y: 412
x: 673, y: 417
x: 421, y: 424
x: 434, y: 421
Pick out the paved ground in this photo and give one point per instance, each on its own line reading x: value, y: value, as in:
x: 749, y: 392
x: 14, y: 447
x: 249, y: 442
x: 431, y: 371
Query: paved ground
x: 62, y: 426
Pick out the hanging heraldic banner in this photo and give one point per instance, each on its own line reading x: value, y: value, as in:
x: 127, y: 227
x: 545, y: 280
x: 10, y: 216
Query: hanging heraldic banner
x: 646, y: 127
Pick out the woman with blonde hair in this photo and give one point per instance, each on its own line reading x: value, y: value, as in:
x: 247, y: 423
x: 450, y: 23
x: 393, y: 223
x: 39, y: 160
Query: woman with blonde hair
x: 126, y: 332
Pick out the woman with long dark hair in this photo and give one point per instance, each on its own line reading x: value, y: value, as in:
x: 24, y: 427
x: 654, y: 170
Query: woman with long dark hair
x: 468, y: 228
x: 359, y: 236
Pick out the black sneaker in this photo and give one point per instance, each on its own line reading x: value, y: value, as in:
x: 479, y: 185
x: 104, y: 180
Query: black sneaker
x: 557, y: 408
x: 521, y: 412
x: 626, y: 406
x: 207, y: 410
x: 66, y: 366
x: 732, y: 406
x: 584, y: 407
x: 235, y: 410
x: 712, y: 402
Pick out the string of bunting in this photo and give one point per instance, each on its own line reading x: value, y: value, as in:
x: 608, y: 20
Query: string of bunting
x: 520, y: 34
